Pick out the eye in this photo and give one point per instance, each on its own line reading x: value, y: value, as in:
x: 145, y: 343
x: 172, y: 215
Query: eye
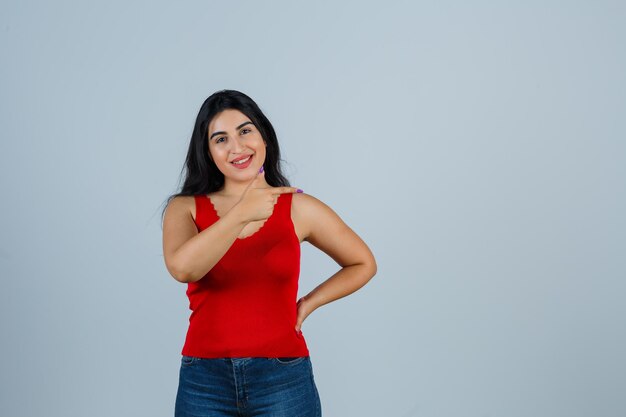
x: 244, y: 130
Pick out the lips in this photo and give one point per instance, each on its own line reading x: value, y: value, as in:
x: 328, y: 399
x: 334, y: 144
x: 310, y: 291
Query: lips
x: 240, y: 158
x: 243, y: 165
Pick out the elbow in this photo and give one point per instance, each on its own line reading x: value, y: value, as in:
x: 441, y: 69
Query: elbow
x: 186, y: 276
x: 183, y: 278
x: 372, y: 266
x: 179, y: 274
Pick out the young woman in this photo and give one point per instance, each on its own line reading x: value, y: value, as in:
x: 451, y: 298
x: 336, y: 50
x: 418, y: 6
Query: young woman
x: 233, y: 235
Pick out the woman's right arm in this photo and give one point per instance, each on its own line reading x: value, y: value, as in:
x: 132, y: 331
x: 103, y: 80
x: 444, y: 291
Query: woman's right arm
x: 189, y: 255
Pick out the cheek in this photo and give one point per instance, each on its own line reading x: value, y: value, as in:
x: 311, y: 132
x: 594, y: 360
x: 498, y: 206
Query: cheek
x: 216, y: 155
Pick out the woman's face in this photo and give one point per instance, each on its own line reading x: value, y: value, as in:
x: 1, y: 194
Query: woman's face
x: 231, y: 136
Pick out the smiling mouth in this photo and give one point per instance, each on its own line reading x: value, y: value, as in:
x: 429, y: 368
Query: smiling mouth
x: 242, y: 161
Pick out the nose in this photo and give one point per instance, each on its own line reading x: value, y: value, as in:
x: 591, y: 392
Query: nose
x: 237, y: 146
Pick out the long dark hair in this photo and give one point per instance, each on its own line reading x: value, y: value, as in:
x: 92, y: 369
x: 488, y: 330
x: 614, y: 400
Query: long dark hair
x: 202, y: 175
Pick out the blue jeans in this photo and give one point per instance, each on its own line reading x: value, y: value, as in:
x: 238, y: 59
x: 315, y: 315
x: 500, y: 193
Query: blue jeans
x: 247, y: 387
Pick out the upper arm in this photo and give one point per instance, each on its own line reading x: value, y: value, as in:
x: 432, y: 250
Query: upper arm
x: 324, y: 229
x: 178, y: 228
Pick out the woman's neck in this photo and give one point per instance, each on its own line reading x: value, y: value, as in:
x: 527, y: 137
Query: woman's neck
x: 234, y: 189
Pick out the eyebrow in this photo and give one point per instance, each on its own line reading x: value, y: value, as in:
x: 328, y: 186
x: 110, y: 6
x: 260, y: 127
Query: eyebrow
x: 238, y: 127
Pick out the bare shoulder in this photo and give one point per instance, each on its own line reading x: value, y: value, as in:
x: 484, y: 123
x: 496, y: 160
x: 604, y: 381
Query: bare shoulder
x: 307, y: 204
x: 310, y: 212
x: 322, y: 227
x: 183, y: 204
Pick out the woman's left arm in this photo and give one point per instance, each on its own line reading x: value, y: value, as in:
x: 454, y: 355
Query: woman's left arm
x: 325, y: 230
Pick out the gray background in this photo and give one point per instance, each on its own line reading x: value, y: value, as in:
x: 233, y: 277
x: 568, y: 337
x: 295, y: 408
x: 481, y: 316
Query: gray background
x: 477, y: 147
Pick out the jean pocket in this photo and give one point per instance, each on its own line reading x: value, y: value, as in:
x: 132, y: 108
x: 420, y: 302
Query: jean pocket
x: 291, y: 360
x: 187, y: 360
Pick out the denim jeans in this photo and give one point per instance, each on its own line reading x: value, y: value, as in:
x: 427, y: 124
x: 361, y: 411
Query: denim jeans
x: 247, y: 387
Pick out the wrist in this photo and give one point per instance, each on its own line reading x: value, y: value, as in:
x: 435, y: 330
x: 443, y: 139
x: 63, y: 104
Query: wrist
x: 310, y: 302
x: 237, y: 215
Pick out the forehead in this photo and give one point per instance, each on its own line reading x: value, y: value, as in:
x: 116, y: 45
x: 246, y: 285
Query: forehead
x: 226, y: 120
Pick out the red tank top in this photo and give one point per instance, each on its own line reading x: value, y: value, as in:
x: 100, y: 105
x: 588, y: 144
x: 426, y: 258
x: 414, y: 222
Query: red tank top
x: 245, y: 306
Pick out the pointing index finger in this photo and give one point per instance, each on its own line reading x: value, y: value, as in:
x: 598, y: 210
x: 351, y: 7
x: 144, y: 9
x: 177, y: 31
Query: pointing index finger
x: 284, y: 190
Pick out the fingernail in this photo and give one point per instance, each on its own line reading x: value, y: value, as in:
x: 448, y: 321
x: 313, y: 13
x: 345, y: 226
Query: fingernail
x: 299, y: 191
x: 261, y: 170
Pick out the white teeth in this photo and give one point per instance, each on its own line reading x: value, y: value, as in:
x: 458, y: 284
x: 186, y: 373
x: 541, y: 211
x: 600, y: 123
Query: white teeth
x: 242, y: 161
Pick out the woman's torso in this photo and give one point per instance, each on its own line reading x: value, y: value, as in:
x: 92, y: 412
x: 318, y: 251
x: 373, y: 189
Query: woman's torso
x: 245, y: 306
